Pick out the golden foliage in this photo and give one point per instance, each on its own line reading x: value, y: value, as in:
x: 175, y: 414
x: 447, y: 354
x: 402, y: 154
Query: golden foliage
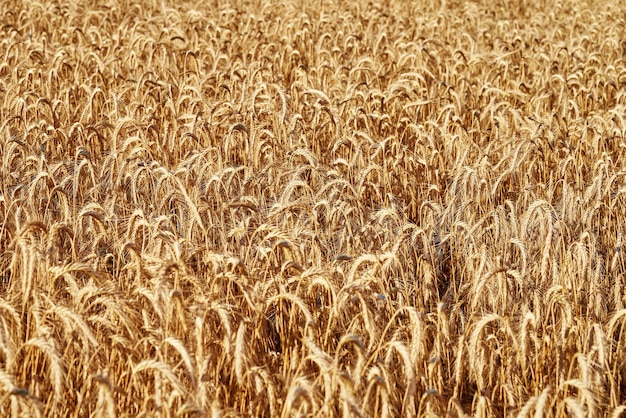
x: 314, y: 208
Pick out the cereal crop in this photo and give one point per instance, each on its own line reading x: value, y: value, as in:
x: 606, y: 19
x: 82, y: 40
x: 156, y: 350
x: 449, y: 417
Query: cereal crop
x: 312, y: 208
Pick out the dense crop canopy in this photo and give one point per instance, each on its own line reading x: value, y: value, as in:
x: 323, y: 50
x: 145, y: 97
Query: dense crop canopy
x: 312, y: 208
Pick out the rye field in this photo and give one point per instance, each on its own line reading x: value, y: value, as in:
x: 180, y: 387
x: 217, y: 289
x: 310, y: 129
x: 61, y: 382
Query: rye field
x: 312, y: 208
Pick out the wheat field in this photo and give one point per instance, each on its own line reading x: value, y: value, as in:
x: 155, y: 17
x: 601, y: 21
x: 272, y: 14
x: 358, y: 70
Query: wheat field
x: 312, y: 208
